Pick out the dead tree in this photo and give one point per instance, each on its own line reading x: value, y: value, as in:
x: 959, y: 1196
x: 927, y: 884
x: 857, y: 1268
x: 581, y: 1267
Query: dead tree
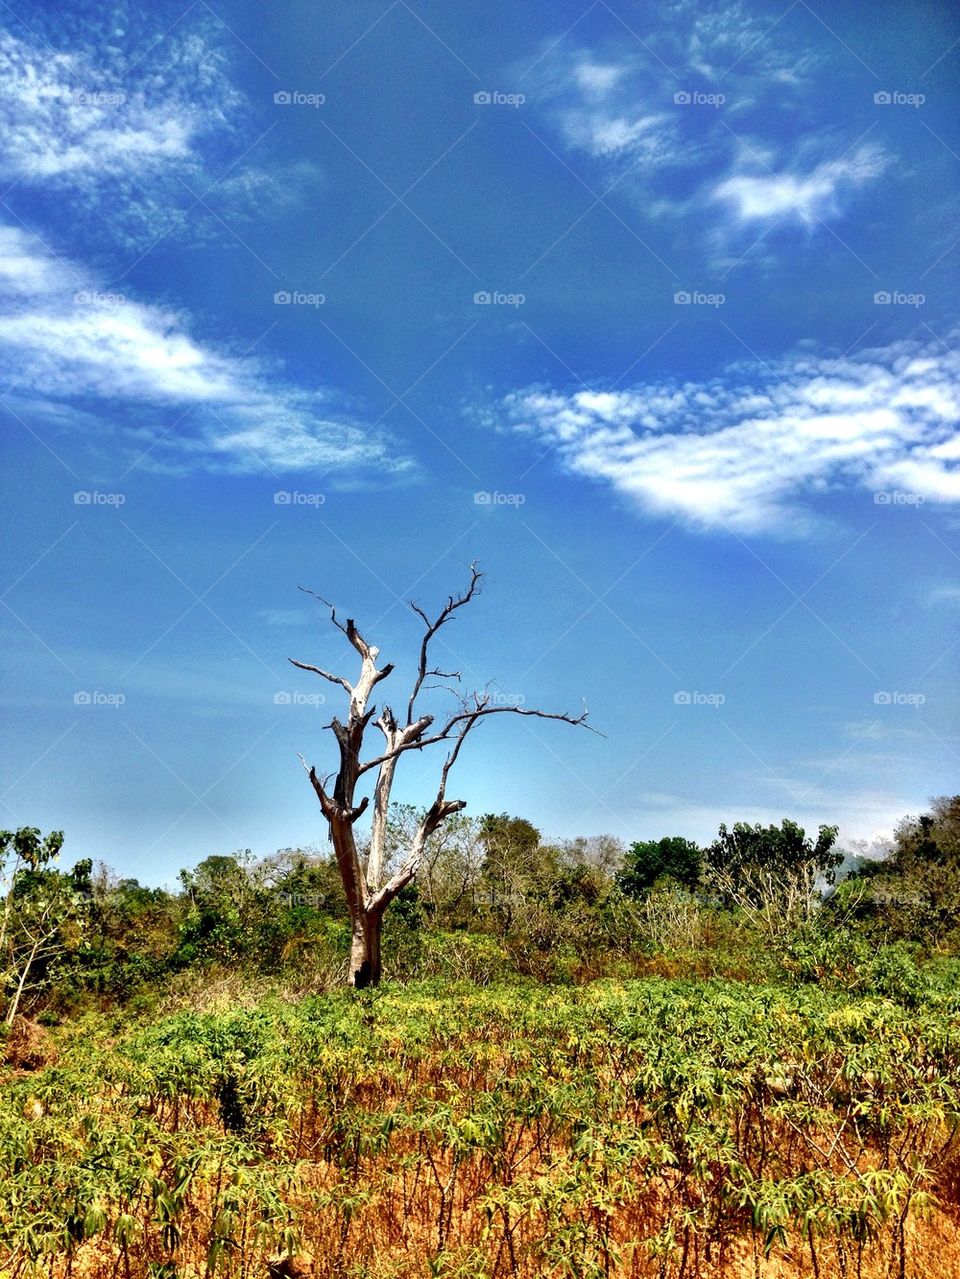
x: 368, y: 896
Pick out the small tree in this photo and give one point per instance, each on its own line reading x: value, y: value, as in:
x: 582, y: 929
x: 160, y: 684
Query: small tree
x: 772, y: 872
x: 672, y: 857
x: 449, y: 879
x: 368, y: 890
x: 38, y: 905
x: 914, y: 891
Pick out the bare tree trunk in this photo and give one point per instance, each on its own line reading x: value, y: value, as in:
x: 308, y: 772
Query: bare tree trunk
x: 366, y: 965
x: 367, y: 896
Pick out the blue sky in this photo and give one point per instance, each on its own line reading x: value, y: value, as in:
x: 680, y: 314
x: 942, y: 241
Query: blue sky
x: 673, y: 286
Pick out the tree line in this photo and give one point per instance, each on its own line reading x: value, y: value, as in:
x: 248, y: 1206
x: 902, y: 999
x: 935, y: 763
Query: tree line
x: 492, y: 899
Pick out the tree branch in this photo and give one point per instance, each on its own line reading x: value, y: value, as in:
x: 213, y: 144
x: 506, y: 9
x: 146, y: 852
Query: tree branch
x: 438, y: 811
x: 453, y: 603
x: 327, y: 806
x: 326, y: 603
x: 334, y: 679
x: 368, y: 652
x: 476, y: 713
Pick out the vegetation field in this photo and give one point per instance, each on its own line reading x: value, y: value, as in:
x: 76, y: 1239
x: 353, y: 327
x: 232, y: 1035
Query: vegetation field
x: 649, y: 1127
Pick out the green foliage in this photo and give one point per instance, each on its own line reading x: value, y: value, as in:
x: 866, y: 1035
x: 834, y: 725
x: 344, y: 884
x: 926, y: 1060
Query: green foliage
x: 747, y: 855
x: 554, y: 1130
x: 914, y: 893
x: 845, y: 959
x: 516, y: 1119
x: 671, y: 858
x: 42, y: 914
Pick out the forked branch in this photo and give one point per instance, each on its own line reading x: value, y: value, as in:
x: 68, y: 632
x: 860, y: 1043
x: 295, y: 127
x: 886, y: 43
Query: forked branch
x: 453, y: 603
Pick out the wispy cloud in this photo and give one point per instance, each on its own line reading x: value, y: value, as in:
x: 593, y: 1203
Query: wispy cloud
x: 133, y: 139
x: 710, y: 120
x: 75, y: 343
x: 946, y: 593
x: 67, y: 115
x: 105, y: 147
x: 748, y: 448
x: 807, y: 196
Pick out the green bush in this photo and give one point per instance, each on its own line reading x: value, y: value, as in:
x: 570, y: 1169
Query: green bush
x: 844, y: 959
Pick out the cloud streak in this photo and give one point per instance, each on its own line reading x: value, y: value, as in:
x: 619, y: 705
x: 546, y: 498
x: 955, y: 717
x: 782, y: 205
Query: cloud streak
x: 807, y: 197
x: 71, y: 342
x: 749, y: 449
x: 127, y: 140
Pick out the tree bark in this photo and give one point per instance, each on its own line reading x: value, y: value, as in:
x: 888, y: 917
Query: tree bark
x: 365, y: 950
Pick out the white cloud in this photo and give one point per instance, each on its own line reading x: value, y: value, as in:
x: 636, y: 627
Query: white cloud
x: 600, y: 109
x: 745, y: 450
x: 69, y: 340
x: 761, y: 142
x: 807, y: 197
x: 132, y: 140
x: 597, y: 79
x: 116, y: 142
x: 604, y: 134
x: 71, y: 115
